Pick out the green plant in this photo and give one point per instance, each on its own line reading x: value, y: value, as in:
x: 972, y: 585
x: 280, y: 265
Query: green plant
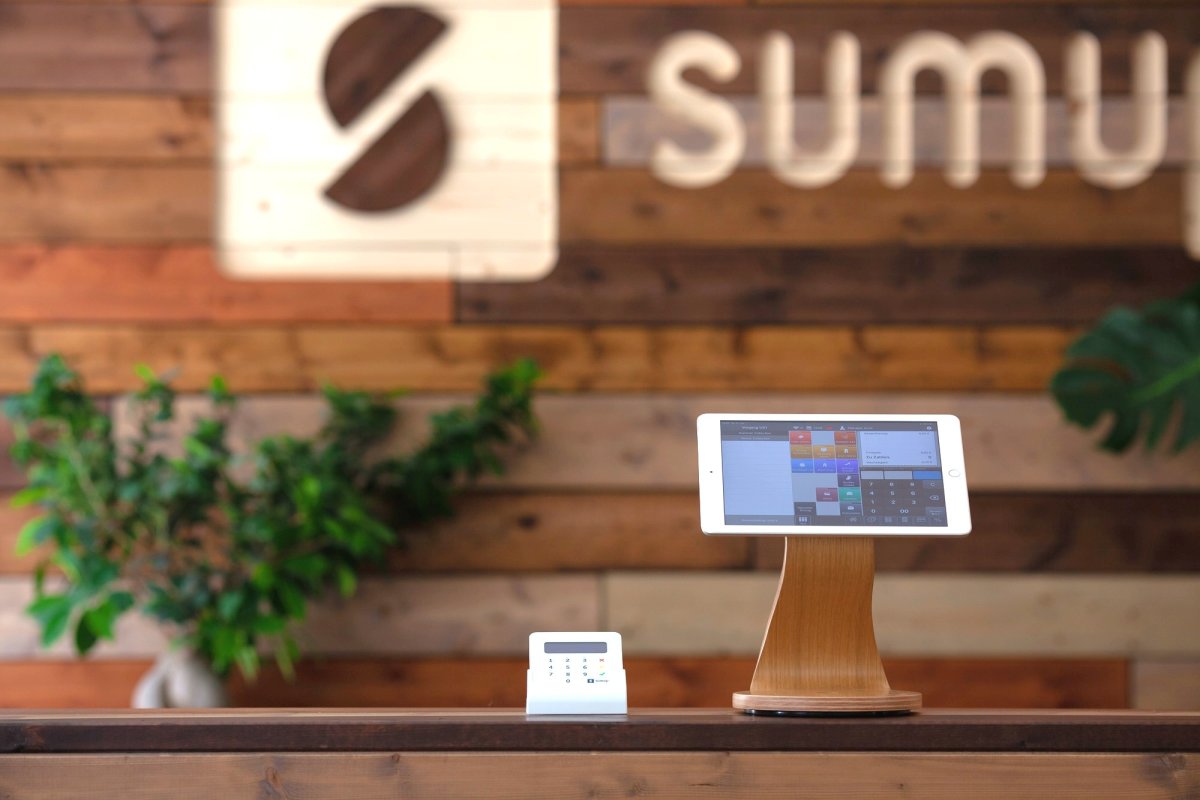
x: 1140, y: 367
x: 227, y: 550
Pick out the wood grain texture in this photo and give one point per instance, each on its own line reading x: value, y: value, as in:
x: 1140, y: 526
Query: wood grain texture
x: 706, y: 614
x: 607, y: 50
x: 509, y: 730
x: 875, y: 284
x: 519, y: 532
x: 653, y: 682
x: 642, y: 443
x: 138, y: 47
x: 449, y: 615
x: 137, y: 203
x: 500, y: 683
x: 1165, y: 685
x: 120, y: 47
x: 182, y: 283
x: 579, y: 131
x: 611, y: 775
x: 275, y: 358
x: 371, y: 52
x: 943, y: 615
x: 1081, y: 532
x: 158, y: 204
x: 135, y: 127
x: 497, y: 531
x: 819, y: 653
x: 752, y: 208
x: 138, y: 128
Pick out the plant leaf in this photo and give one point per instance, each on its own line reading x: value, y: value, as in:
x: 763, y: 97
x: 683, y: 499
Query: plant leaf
x: 1141, y: 369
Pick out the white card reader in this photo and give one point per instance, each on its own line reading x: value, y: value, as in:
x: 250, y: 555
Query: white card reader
x: 575, y: 672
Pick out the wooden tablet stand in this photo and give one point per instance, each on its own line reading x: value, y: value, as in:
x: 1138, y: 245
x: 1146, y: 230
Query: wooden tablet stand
x: 819, y: 654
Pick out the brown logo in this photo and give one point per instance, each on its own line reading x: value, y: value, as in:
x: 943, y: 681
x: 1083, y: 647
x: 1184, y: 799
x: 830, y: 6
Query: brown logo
x: 409, y: 158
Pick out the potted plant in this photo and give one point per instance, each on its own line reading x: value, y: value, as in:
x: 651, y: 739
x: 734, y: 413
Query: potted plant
x: 227, y: 550
x: 1142, y: 368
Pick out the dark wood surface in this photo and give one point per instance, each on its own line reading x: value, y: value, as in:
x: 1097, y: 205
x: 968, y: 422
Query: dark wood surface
x: 511, y: 730
x: 164, y: 47
x: 884, y: 284
x: 654, y: 682
x: 609, y: 49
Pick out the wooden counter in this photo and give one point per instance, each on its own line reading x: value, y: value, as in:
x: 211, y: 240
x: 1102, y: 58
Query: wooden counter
x: 702, y: 753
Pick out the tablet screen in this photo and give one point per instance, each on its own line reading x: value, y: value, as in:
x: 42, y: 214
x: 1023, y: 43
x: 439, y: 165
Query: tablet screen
x: 832, y: 473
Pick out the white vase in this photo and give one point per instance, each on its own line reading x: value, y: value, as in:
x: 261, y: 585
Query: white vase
x: 179, y: 679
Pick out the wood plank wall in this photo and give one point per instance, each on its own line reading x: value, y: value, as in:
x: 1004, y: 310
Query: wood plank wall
x: 1078, y: 587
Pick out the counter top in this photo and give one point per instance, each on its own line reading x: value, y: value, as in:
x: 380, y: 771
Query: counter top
x: 296, y: 730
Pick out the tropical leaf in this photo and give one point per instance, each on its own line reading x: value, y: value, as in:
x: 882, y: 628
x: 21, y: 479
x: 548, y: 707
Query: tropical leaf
x: 1142, y: 369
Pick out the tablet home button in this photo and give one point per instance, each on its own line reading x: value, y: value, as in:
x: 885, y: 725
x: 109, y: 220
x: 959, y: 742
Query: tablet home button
x: 953, y: 473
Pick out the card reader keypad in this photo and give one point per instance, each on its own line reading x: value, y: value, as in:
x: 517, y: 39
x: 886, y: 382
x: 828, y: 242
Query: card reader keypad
x: 576, y: 669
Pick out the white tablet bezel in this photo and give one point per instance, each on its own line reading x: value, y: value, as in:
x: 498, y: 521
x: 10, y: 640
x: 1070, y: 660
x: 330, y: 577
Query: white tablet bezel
x: 954, y: 477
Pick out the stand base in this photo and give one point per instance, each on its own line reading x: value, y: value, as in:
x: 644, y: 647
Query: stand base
x: 894, y: 702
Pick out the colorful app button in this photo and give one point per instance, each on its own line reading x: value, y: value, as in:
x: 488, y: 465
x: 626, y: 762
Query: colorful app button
x: 850, y: 494
x: 825, y: 465
x: 802, y: 451
x: 845, y: 437
x: 802, y: 465
x: 847, y: 465
x: 847, y: 479
x: 823, y: 451
x: 847, y: 451
x: 827, y: 494
x: 800, y: 437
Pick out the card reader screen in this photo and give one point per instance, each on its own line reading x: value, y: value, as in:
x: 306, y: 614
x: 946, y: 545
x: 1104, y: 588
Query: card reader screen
x: 886, y: 474
x: 576, y: 647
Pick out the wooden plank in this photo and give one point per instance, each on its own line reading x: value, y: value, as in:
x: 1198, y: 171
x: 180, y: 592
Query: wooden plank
x: 138, y: 203
x: 648, y: 443
x: 881, y: 284
x: 706, y: 613
x: 683, y: 683
x: 496, y: 532
x: 155, y: 204
x: 511, y: 730
x: 69, y: 684
x: 500, y: 683
x: 123, y: 47
x: 752, y: 208
x: 632, y: 126
x: 550, y: 532
x: 608, y: 50
x: 482, y: 615
x: 142, y: 128
x: 604, y: 775
x: 1034, y: 532
x: 10, y: 474
x: 11, y: 521
x: 579, y: 131
x: 128, y: 47
x: 942, y: 615
x: 1166, y: 685
x: 84, y: 126
x: 182, y: 283
x: 607, y: 358
x: 546, y: 532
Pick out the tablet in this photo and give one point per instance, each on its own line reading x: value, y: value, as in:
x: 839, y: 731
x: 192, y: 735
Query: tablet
x: 828, y: 474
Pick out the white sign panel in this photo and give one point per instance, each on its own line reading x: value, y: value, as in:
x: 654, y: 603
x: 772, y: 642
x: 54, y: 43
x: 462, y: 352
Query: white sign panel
x: 309, y: 188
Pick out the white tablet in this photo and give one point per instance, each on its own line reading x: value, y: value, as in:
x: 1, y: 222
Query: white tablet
x: 832, y: 474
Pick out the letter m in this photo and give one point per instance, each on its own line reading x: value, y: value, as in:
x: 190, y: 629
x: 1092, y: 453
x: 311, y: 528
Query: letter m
x: 962, y: 66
